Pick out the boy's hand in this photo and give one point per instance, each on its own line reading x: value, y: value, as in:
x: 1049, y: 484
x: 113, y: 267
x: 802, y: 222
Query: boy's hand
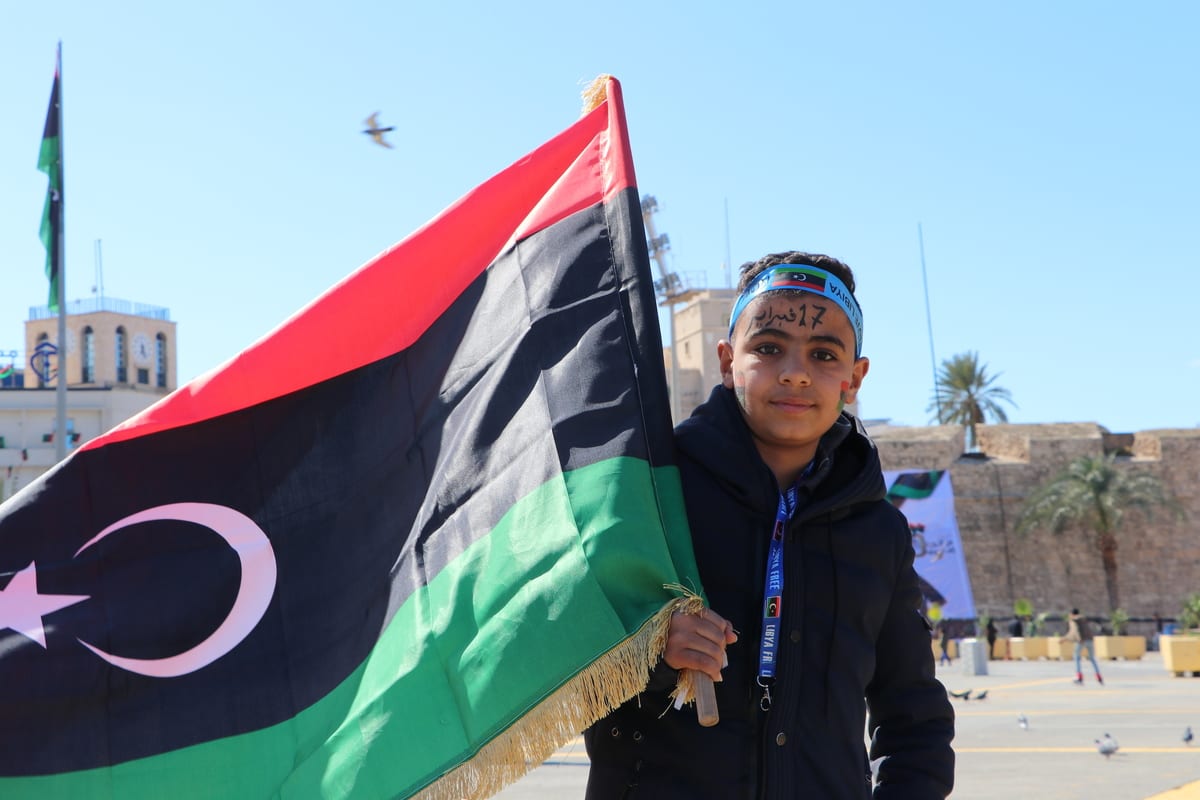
x: 697, y: 641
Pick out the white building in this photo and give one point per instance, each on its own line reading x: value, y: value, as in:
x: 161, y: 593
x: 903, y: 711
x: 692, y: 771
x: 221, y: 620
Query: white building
x: 120, y: 359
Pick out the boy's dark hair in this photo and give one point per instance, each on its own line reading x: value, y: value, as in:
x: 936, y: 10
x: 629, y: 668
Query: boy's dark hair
x: 750, y: 269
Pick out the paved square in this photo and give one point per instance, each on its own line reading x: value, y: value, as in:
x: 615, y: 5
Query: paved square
x: 1141, y: 706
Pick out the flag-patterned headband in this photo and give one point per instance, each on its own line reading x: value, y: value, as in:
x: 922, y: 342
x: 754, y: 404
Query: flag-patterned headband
x: 802, y: 278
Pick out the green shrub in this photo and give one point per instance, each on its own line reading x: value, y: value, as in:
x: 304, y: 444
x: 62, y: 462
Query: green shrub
x: 1189, y: 617
x: 1118, y: 619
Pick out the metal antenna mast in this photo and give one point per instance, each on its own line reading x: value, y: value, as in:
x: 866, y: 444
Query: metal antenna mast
x: 667, y: 288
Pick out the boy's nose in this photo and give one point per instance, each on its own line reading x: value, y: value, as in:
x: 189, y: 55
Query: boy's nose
x: 795, y: 372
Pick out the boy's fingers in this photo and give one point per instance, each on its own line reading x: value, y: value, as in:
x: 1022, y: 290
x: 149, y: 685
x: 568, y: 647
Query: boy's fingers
x: 722, y: 628
x: 697, y: 641
x: 727, y: 633
x: 714, y: 631
x: 682, y: 657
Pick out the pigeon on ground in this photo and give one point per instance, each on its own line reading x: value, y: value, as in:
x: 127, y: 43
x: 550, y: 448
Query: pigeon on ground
x: 1023, y: 722
x: 982, y: 695
x: 1106, y: 746
x: 964, y: 695
x: 375, y: 132
x: 1187, y: 735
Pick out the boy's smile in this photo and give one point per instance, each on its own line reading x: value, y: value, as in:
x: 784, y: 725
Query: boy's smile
x: 792, y: 367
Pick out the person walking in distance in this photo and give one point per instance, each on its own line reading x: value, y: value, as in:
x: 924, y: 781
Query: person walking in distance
x: 1079, y: 631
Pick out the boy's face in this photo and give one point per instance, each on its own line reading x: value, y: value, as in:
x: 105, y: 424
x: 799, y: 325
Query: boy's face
x: 792, y: 367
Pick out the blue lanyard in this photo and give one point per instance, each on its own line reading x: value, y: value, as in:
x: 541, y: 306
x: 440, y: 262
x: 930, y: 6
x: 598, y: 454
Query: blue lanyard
x: 773, y: 596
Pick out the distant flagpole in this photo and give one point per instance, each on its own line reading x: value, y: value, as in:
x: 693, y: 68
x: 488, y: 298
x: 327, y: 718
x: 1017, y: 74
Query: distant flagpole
x: 50, y: 161
x: 937, y: 392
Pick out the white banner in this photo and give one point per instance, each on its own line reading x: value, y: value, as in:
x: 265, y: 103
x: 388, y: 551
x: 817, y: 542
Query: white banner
x: 927, y: 500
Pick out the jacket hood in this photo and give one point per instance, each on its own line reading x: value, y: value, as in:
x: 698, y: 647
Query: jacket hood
x: 846, y: 472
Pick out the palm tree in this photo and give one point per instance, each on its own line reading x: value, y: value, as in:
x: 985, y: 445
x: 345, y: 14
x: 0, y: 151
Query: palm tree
x: 1095, y: 493
x: 965, y: 395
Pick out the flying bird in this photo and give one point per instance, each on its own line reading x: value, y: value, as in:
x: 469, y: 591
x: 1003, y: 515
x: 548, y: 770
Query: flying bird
x: 964, y: 695
x: 1187, y: 735
x: 375, y: 132
x: 1023, y: 722
x: 1106, y: 746
x: 982, y: 695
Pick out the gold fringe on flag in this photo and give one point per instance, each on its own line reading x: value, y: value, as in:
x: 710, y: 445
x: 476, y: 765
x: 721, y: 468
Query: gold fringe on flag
x: 685, y: 687
x: 603, y: 685
x: 596, y: 93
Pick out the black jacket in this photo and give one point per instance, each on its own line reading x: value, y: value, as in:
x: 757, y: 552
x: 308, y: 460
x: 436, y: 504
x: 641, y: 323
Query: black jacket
x: 851, y: 630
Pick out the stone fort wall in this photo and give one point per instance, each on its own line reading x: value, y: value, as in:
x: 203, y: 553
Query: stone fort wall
x: 1158, y: 557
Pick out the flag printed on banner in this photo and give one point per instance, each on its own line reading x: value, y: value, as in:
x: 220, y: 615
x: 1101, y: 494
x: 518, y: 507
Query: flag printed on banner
x: 410, y: 562
x: 926, y: 499
x: 799, y: 277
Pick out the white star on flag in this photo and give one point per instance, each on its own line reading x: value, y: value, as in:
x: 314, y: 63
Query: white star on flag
x: 22, y: 608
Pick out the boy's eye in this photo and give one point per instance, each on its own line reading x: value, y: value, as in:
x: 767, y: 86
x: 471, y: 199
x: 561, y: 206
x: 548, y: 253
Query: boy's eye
x: 767, y: 349
x: 825, y: 355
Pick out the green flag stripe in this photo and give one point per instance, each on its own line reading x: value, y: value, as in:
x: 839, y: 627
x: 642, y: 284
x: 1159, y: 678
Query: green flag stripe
x: 923, y: 485
x: 562, y: 579
x: 50, y: 162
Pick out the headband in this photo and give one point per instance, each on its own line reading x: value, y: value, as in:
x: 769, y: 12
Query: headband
x: 802, y: 278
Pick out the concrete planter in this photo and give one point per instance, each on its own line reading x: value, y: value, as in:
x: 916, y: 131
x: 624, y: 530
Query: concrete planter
x: 1181, y: 654
x: 951, y: 649
x: 1028, y: 648
x: 1059, y: 649
x: 1113, y: 647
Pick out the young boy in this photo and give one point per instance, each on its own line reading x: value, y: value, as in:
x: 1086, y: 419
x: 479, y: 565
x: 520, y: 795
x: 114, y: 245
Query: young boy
x: 808, y: 571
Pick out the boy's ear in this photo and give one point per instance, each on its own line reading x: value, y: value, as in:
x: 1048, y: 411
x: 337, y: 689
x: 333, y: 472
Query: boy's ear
x: 861, y: 367
x: 725, y: 356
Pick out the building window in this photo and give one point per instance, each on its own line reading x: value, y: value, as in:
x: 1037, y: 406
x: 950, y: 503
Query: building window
x: 89, y: 355
x: 122, y: 364
x: 41, y: 382
x: 160, y: 361
x: 143, y: 376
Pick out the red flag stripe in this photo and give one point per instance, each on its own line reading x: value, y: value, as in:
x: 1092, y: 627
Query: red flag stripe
x: 397, y: 296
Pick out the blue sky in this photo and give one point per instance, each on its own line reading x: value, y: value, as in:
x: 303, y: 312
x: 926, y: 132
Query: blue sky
x: 1048, y: 150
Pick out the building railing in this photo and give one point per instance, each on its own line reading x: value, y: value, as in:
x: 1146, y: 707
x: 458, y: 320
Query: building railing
x: 90, y: 305
x: 675, y: 284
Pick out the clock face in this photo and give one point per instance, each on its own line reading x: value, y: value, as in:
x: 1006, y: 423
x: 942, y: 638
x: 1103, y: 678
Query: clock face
x: 142, y: 351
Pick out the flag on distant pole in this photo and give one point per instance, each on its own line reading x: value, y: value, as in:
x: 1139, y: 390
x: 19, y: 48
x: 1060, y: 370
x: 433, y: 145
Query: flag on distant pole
x: 50, y: 162
x: 407, y: 544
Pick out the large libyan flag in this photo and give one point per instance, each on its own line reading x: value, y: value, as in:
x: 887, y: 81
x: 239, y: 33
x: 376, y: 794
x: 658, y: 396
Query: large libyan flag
x: 409, y: 562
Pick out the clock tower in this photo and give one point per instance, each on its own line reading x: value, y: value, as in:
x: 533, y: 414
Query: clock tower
x: 111, y: 343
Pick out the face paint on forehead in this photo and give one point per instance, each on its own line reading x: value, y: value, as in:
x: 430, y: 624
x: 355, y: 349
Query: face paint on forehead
x: 802, y: 278
x: 782, y: 312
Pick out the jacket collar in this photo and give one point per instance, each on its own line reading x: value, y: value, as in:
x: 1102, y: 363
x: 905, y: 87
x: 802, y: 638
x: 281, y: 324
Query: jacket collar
x: 847, y: 468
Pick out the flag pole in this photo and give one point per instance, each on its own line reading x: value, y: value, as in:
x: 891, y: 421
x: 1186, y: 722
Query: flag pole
x: 937, y: 392
x: 60, y: 389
